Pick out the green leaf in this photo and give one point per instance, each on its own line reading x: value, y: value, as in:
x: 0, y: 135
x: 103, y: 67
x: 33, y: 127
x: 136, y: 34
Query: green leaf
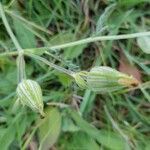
x: 61, y: 38
x: 8, y: 75
x: 50, y: 128
x: 87, y: 102
x: 81, y: 140
x: 24, y: 36
x: 74, y: 52
x: 106, y: 138
x: 36, y: 51
x: 70, y: 52
x: 68, y: 125
x: 101, y: 23
x: 144, y: 44
x: 147, y: 146
x: 130, y: 3
x: 64, y: 79
x: 7, y: 138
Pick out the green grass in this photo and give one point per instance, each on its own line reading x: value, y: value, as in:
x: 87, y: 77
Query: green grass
x: 71, y: 36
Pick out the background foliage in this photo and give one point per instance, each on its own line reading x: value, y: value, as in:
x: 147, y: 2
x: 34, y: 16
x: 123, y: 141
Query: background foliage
x: 81, y: 119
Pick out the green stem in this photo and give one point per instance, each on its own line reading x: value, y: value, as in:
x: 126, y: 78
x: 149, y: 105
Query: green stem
x: 88, y: 40
x: 94, y: 39
x: 14, y: 53
x: 9, y: 29
x: 20, y: 60
x: 63, y: 70
x: 28, y: 22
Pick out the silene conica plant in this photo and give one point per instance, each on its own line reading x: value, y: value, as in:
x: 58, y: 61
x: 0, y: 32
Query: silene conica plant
x: 98, y: 79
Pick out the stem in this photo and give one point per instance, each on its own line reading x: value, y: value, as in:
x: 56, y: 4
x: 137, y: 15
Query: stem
x: 9, y: 29
x: 94, y: 39
x: 14, y: 53
x: 28, y: 22
x: 68, y: 72
x: 20, y: 60
x: 61, y: 105
x: 85, y: 41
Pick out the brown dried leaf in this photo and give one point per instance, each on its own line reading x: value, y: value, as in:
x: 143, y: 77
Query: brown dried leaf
x: 127, y: 68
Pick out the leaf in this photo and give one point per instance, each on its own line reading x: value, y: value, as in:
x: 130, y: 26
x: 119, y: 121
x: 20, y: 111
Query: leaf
x: 81, y: 140
x: 8, y: 75
x: 61, y: 38
x: 56, y: 95
x: 147, y: 147
x: 36, y: 51
x: 106, y: 138
x: 127, y: 68
x: 68, y: 125
x: 130, y: 3
x: 24, y: 36
x: 101, y: 23
x: 139, y: 117
x: 70, y: 52
x: 50, y: 128
x: 87, y: 102
x: 42, y: 12
x: 74, y: 52
x: 144, y: 44
x: 117, y: 19
x: 64, y: 79
x: 7, y: 137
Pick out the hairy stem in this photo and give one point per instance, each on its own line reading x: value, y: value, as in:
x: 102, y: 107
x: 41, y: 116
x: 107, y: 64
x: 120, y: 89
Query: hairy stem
x: 63, y: 70
x: 87, y: 40
x: 101, y: 38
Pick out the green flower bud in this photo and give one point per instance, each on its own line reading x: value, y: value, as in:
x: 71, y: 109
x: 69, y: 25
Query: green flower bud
x: 29, y: 93
x: 105, y: 79
x: 108, y: 79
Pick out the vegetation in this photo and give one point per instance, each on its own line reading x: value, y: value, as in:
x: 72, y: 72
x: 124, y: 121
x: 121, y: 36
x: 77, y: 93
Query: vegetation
x: 51, y: 94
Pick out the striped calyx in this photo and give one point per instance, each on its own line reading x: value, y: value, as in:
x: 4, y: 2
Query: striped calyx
x: 80, y: 78
x: 30, y: 94
x: 106, y: 79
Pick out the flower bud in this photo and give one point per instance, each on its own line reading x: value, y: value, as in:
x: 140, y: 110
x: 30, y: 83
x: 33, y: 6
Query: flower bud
x: 29, y: 93
x: 105, y: 79
x: 108, y: 79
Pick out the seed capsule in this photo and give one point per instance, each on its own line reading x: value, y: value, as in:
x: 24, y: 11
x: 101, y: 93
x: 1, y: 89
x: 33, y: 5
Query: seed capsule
x: 106, y: 79
x: 29, y: 93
